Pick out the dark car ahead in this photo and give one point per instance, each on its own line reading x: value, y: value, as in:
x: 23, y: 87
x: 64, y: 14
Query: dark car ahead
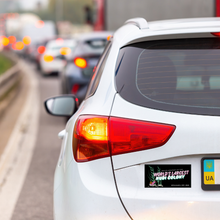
x: 80, y: 65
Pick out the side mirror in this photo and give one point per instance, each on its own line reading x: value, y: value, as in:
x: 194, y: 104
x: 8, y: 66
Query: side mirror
x: 65, y: 105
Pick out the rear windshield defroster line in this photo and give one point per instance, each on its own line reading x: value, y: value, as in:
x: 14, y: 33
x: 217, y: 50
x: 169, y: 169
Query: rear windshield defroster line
x: 181, y: 75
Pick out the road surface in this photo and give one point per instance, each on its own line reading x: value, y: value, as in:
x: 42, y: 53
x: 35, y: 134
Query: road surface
x: 26, y: 183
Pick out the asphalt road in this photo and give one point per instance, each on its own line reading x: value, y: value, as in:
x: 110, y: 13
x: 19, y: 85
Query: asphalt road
x: 35, y: 201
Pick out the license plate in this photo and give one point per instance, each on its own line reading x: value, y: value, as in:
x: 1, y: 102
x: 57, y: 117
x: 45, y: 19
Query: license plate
x: 210, y: 173
x: 167, y: 175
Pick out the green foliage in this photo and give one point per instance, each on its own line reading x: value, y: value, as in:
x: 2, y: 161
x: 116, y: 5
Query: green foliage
x: 151, y: 174
x: 5, y: 64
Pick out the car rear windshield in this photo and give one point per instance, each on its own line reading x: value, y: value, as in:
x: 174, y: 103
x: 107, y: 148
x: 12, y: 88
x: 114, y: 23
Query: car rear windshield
x: 94, y: 45
x: 180, y: 75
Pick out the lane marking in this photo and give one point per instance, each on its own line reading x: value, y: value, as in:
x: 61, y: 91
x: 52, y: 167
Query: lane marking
x: 16, y: 158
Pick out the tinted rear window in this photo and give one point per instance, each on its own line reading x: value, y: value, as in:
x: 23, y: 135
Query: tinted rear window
x: 180, y: 75
x: 94, y: 45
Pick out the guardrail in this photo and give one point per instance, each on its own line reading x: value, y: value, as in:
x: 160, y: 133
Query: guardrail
x: 9, y: 82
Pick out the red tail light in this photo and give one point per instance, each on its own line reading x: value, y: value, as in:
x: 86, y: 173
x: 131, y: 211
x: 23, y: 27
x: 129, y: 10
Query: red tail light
x: 39, y: 24
x: 12, y: 39
x: 217, y: 34
x: 59, y: 41
x: 80, y: 62
x: 130, y: 135
x: 41, y: 49
x: 75, y: 88
x: 98, y: 137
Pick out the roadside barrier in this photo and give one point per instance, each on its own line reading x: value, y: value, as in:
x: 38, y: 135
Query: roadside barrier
x: 9, y: 82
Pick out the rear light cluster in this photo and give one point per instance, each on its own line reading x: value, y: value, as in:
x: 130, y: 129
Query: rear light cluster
x: 97, y: 137
x: 27, y: 40
x: 48, y: 58
x: 217, y: 34
x: 41, y: 49
x: 75, y: 88
x: 80, y: 62
x: 65, y: 51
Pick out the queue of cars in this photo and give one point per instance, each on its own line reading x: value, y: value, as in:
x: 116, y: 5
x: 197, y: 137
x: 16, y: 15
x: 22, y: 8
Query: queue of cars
x: 144, y: 143
x: 54, y: 57
x: 78, y: 71
x: 73, y: 59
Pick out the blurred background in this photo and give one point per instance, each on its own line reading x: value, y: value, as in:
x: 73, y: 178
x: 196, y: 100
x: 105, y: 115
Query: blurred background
x: 27, y: 24
x: 73, y: 16
x: 68, y: 15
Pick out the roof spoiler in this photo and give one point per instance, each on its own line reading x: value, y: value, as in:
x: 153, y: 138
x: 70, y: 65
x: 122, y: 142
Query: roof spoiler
x: 141, y: 23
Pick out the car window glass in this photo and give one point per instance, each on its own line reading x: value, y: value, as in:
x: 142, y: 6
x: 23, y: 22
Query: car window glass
x: 179, y: 75
x: 98, y: 72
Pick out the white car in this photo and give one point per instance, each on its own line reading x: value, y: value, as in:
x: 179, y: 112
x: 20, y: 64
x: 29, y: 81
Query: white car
x: 145, y: 143
x: 53, y: 60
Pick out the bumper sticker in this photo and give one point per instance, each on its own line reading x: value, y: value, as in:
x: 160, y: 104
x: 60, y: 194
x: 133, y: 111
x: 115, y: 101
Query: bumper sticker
x: 210, y: 173
x: 167, y: 176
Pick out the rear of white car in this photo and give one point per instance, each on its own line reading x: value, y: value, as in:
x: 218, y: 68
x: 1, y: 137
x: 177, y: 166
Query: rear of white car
x: 155, y: 98
x: 53, y: 60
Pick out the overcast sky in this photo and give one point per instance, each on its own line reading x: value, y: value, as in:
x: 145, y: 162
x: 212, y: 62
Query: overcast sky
x: 30, y: 4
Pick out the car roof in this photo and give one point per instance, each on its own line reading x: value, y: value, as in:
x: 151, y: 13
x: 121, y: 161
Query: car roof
x: 184, y: 23
x: 65, y: 42
x: 94, y: 35
x: 138, y: 29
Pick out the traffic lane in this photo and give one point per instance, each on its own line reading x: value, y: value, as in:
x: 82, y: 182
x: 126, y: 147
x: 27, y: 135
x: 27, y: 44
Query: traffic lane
x: 36, y: 197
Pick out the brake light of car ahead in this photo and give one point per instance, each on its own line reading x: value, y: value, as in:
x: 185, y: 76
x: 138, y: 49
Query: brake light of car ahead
x: 97, y: 137
x: 217, y: 34
x: 80, y: 62
x: 75, y: 88
x: 41, y: 49
x: 48, y: 58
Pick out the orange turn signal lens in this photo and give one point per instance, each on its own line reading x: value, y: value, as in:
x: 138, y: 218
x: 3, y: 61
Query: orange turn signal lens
x: 95, y: 129
x: 48, y: 58
x: 5, y: 41
x: 80, y: 62
x: 109, y: 37
x: 19, y: 45
x: 65, y: 51
x: 90, y: 140
x: 27, y: 40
